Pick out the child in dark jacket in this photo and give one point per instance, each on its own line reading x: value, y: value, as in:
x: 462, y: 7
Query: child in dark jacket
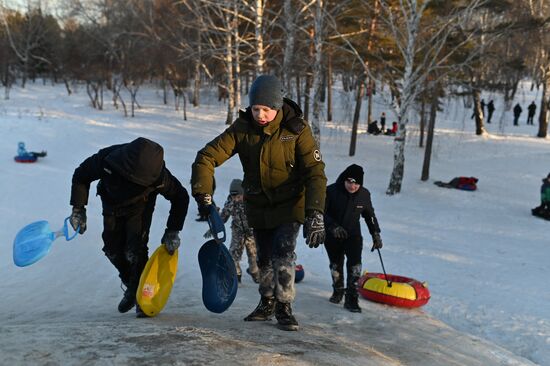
x: 347, y: 200
x: 130, y: 177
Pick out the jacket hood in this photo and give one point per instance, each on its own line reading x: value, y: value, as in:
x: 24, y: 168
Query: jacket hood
x: 140, y: 161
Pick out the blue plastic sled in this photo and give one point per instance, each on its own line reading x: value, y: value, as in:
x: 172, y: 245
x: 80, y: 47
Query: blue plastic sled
x: 34, y: 241
x: 219, y: 276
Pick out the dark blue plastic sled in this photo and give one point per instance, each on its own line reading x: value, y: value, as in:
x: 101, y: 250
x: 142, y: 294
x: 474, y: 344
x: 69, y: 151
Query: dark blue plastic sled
x: 219, y: 276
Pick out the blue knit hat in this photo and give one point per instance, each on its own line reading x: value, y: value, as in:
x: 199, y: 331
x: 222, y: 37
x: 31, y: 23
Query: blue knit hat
x: 266, y: 90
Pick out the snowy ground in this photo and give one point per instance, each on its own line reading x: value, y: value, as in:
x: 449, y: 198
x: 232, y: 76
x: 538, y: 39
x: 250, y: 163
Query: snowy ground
x: 482, y: 253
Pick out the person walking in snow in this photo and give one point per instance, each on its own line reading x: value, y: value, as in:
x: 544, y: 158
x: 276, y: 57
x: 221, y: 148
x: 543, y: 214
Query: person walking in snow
x: 490, y: 110
x: 531, y: 110
x: 130, y: 175
x: 242, y: 236
x: 517, y: 113
x: 284, y: 185
x: 383, y: 122
x: 347, y: 200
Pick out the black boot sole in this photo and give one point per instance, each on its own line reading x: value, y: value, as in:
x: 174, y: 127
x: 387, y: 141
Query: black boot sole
x: 353, y: 310
x: 257, y: 319
x: 288, y: 327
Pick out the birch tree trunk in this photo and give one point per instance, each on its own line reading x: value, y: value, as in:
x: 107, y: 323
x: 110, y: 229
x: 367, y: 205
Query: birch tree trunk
x: 429, y: 140
x: 329, y: 87
x: 356, y: 114
x: 544, y: 104
x: 317, y: 72
x: 229, y: 72
x: 288, y: 60
x: 197, y: 72
x: 237, y: 59
x: 412, y: 23
x: 478, y: 112
x: 258, y: 28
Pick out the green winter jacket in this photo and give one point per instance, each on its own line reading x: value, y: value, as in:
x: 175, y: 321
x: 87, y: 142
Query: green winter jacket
x: 284, y: 175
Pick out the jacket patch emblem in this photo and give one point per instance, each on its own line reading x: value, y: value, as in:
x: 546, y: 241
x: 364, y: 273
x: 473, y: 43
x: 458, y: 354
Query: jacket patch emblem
x: 317, y: 155
x: 287, y: 137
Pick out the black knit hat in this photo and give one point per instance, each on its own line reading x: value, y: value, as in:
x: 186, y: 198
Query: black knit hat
x: 355, y: 172
x: 266, y: 90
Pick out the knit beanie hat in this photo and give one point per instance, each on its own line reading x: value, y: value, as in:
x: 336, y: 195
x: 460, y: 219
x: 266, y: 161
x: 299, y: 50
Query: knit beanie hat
x: 266, y: 90
x: 236, y: 187
x: 354, y: 171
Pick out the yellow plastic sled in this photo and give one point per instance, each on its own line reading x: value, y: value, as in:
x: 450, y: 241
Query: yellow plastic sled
x: 156, y: 281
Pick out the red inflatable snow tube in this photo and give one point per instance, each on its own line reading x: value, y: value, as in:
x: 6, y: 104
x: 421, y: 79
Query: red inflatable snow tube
x: 25, y: 159
x: 403, y: 291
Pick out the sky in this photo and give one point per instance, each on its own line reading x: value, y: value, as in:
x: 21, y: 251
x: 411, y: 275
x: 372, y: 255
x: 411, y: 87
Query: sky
x: 482, y: 253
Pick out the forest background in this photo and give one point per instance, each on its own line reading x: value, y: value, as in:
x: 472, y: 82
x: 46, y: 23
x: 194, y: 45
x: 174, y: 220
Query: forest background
x: 420, y: 51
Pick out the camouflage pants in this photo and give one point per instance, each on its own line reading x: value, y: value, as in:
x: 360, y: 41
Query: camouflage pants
x: 239, y: 242
x: 277, y: 261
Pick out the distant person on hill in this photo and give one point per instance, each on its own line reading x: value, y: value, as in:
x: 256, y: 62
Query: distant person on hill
x: 284, y: 186
x: 373, y: 128
x: 393, y: 130
x: 383, y: 122
x: 543, y: 210
x: 130, y: 177
x: 490, y: 110
x: 347, y: 201
x: 531, y: 110
x: 517, y: 113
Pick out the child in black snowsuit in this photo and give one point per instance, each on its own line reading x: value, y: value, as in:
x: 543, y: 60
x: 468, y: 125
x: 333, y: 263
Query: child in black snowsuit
x: 346, y: 201
x: 130, y: 177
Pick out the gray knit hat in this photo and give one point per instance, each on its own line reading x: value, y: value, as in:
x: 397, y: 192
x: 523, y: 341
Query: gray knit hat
x: 236, y: 187
x: 266, y: 90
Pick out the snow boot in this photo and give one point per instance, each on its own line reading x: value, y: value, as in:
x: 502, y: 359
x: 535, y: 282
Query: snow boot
x: 337, y: 295
x: 352, y: 303
x: 128, y: 301
x: 264, y: 310
x: 285, y: 319
x: 140, y: 313
x: 255, y: 275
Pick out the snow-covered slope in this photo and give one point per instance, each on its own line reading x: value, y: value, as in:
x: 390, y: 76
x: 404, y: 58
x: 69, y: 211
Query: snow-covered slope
x: 483, y: 255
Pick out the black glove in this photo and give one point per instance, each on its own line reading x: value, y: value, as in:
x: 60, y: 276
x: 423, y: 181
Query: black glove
x: 314, y: 229
x: 171, y: 240
x: 376, y: 242
x: 339, y: 232
x: 204, y: 200
x: 78, y: 219
x: 207, y: 234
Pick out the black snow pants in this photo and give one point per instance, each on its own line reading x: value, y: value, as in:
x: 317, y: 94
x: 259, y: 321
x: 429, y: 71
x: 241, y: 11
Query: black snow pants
x: 338, y: 250
x: 125, y: 237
